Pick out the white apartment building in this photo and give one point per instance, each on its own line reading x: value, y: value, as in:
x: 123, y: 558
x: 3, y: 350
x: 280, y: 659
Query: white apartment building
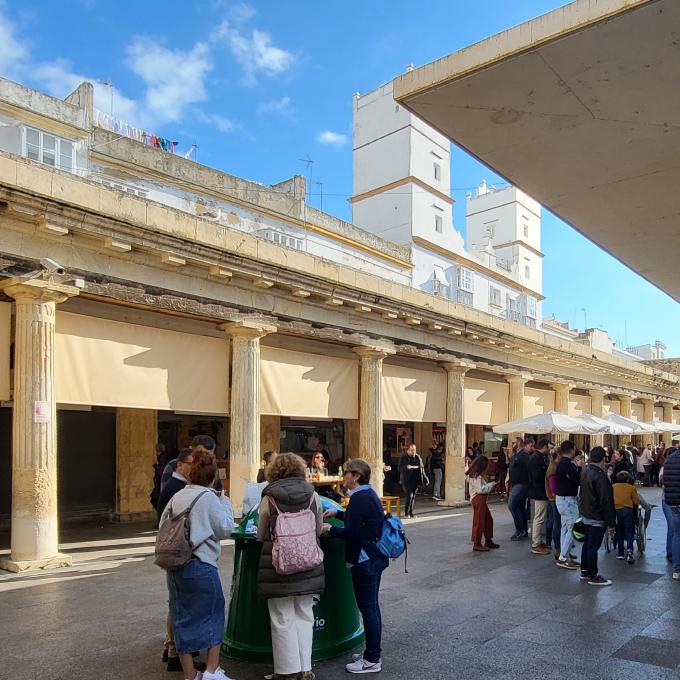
x: 402, y: 192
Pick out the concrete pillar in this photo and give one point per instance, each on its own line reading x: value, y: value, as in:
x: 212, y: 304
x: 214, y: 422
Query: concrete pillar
x: 562, y: 397
x: 34, y: 536
x: 596, y: 409
x: 454, y: 482
x: 244, y: 440
x: 516, y: 400
x: 667, y: 407
x: 270, y: 434
x: 136, y: 436
x: 626, y: 405
x: 370, y: 411
x: 648, y: 417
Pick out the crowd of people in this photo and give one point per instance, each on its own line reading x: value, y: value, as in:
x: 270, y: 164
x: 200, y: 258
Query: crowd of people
x: 567, y: 496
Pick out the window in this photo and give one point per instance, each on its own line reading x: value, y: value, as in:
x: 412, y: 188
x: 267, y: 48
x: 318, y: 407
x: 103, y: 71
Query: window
x: 437, y: 171
x: 48, y: 149
x: 531, y: 307
x: 438, y: 224
x: 440, y: 285
x: 527, y: 271
x: 495, y: 296
x: 512, y: 311
x: 526, y: 231
x: 490, y: 229
x: 466, y: 279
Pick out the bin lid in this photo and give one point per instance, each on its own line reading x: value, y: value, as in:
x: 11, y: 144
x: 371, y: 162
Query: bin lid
x: 247, y: 528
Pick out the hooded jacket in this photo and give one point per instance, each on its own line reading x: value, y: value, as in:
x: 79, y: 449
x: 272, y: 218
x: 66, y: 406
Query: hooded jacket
x: 597, y: 496
x: 291, y: 494
x: 671, y: 479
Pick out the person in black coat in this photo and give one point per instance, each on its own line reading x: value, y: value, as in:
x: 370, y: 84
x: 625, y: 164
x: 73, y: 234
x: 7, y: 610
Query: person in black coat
x: 364, y: 519
x: 412, y: 475
x: 671, y: 500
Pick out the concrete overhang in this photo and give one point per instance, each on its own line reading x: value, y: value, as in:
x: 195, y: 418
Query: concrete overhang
x: 580, y: 108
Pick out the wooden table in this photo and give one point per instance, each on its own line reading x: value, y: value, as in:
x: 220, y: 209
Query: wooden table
x: 333, y: 482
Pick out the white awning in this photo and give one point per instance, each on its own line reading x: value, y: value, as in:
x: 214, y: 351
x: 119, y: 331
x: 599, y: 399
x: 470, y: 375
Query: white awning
x: 550, y: 422
x: 439, y: 275
x: 111, y: 363
x: 485, y: 402
x: 308, y: 385
x: 5, y: 345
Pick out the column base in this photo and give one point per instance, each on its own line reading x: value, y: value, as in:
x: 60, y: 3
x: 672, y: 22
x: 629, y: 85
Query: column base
x: 19, y: 566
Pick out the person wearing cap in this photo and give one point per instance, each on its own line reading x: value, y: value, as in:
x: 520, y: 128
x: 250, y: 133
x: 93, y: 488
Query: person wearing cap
x: 539, y: 459
x: 598, y: 514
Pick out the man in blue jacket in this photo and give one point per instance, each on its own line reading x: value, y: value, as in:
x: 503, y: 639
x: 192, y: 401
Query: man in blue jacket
x: 671, y: 490
x: 519, y: 489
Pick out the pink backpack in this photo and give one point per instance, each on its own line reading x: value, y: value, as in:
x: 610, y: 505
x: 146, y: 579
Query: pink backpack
x: 295, y: 546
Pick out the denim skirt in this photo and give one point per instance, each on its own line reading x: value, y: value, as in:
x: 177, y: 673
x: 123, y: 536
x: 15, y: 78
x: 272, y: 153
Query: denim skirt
x: 196, y: 606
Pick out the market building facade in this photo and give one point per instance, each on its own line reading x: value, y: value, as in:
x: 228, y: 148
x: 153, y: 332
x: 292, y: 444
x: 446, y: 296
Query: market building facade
x: 169, y: 320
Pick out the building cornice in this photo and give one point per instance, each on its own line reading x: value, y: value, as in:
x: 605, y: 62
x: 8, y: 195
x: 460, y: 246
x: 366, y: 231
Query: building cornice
x: 519, y: 242
x: 472, y: 264
x: 400, y: 183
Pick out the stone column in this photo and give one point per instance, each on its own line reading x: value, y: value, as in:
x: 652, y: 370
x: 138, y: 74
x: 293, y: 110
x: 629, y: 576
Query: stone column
x: 596, y: 409
x: 244, y: 440
x: 561, y: 397
x: 626, y: 405
x: 370, y: 411
x: 648, y: 417
x: 351, y: 438
x: 454, y: 482
x: 516, y: 400
x: 35, y: 536
x: 136, y: 437
x: 667, y: 406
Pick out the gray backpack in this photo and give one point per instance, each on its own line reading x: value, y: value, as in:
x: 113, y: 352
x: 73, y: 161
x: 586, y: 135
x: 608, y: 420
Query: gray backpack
x: 173, y: 543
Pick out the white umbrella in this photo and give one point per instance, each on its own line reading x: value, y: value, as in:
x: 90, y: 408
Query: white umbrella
x: 638, y: 427
x: 544, y: 423
x: 612, y: 427
x: 660, y: 426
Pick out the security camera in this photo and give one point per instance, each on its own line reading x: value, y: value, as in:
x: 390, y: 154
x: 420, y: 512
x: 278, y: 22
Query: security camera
x: 52, y: 267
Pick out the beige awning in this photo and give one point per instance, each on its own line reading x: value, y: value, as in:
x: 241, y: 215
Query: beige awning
x: 486, y: 402
x: 579, y: 404
x: 413, y: 395
x: 537, y: 402
x: 111, y: 363
x: 5, y: 345
x: 308, y: 385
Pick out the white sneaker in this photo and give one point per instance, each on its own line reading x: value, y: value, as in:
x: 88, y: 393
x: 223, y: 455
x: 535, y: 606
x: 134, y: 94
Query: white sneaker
x: 676, y: 575
x: 363, y: 666
x: 359, y: 657
x: 218, y: 674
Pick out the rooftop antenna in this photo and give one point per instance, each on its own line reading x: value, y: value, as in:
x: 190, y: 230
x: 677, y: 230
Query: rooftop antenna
x: 585, y: 318
x: 309, y: 163
x: 320, y: 185
x: 109, y: 84
x: 191, y: 152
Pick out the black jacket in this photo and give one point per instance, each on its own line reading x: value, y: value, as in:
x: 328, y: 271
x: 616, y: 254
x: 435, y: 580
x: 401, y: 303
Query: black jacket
x: 290, y: 495
x: 538, y: 466
x: 622, y: 466
x: 171, y: 487
x: 519, y: 468
x: 567, y: 477
x: 671, y: 479
x: 597, y: 496
x: 364, y: 519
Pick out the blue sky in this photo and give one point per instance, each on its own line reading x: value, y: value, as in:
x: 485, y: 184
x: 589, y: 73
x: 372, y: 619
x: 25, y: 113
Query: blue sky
x: 259, y: 86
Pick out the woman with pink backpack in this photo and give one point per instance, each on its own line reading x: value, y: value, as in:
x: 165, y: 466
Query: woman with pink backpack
x: 291, y: 572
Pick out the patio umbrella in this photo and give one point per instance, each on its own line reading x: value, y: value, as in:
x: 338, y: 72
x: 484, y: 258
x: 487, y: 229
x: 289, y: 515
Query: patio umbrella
x: 638, y: 427
x: 660, y: 426
x: 544, y: 423
x: 612, y: 427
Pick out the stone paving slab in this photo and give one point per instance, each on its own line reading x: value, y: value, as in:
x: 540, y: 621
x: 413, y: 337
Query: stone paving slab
x: 456, y: 615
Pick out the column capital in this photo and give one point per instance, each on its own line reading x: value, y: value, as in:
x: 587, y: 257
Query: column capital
x: 625, y: 397
x: 458, y: 367
x: 562, y: 387
x: 247, y: 329
x: 667, y: 402
x: 595, y: 391
x: 647, y: 400
x: 373, y: 351
x: 37, y: 290
x: 518, y: 378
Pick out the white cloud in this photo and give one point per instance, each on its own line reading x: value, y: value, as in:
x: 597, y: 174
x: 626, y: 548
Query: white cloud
x: 13, y: 54
x: 332, y: 138
x: 173, y: 78
x: 242, y: 12
x: 255, y: 52
x: 276, y: 106
x: 220, y: 122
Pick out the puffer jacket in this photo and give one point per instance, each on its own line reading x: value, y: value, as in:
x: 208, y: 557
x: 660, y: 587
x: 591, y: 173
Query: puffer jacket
x: 291, y: 495
x: 597, y: 496
x: 671, y: 479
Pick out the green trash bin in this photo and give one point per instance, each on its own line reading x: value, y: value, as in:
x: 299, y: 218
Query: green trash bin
x: 337, y: 623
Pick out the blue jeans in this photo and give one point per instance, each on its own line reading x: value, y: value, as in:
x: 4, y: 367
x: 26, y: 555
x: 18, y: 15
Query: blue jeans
x: 591, y: 544
x: 675, y: 541
x: 625, y: 528
x: 567, y: 506
x: 669, y: 527
x: 366, y: 582
x: 517, y: 505
x: 554, y: 529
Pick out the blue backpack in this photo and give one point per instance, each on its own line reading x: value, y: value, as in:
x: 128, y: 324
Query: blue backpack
x: 393, y: 542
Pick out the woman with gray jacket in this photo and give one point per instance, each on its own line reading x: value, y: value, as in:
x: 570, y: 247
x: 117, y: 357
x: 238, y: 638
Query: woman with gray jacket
x: 290, y: 598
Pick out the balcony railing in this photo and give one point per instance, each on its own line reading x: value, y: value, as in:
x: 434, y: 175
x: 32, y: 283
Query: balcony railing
x: 529, y: 321
x: 512, y: 315
x: 465, y: 297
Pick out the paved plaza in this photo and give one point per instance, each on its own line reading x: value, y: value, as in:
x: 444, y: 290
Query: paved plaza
x: 506, y: 614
